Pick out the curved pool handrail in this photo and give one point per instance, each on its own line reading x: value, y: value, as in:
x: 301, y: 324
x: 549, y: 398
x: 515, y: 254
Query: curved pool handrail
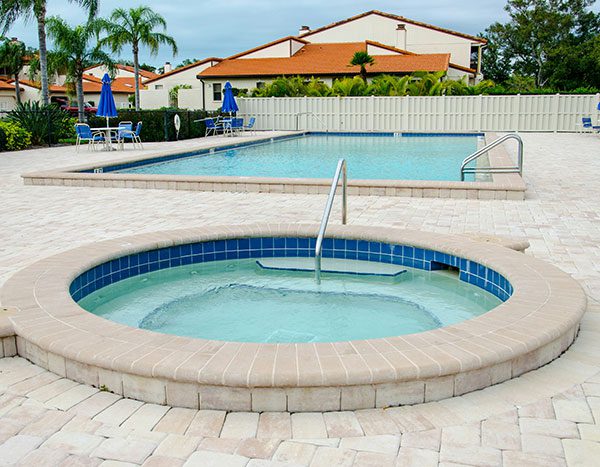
x: 475, y: 170
x: 341, y: 170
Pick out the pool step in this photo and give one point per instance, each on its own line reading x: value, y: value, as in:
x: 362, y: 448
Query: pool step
x: 332, y: 265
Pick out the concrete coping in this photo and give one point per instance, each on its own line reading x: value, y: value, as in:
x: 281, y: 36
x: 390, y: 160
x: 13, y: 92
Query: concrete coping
x: 546, y: 306
x: 501, y: 185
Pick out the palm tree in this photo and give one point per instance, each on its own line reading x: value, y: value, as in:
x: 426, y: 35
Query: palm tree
x: 136, y: 27
x: 362, y: 59
x: 12, y: 10
x: 12, y: 59
x: 77, y: 48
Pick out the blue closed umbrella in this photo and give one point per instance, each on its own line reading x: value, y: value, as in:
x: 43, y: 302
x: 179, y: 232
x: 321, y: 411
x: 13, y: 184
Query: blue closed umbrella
x: 106, y: 106
x: 229, y: 104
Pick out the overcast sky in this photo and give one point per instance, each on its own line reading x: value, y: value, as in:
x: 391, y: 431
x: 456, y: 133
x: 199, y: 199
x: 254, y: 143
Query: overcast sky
x: 213, y: 28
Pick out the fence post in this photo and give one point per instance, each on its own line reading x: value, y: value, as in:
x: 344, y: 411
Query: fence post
x: 372, y: 110
x: 556, y: 109
x: 273, y: 112
x: 480, y: 115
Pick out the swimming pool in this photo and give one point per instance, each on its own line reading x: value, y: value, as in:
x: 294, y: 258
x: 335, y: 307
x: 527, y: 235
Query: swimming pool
x: 369, y: 157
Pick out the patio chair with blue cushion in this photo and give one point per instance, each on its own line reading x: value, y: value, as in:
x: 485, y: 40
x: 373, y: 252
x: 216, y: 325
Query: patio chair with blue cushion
x: 212, y: 125
x: 237, y: 125
x: 130, y: 135
x: 84, y: 134
x: 587, y: 125
x: 116, y: 136
x: 250, y: 126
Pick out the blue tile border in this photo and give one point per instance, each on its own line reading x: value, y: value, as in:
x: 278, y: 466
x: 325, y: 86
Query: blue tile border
x: 267, y: 247
x: 183, y: 155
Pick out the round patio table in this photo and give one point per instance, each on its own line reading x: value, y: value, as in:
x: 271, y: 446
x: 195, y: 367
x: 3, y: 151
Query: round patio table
x: 107, y: 136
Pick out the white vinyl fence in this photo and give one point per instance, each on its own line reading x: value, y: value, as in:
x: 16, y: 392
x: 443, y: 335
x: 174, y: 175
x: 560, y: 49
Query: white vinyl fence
x: 445, y: 113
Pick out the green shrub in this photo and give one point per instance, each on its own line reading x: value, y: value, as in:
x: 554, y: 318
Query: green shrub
x: 46, y: 123
x: 16, y: 137
x: 158, y: 125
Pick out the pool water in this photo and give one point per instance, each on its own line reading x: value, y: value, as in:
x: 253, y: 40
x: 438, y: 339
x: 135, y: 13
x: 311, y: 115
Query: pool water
x: 236, y: 300
x: 316, y: 156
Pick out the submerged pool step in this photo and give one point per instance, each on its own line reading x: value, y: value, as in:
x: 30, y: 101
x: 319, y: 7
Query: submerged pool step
x: 332, y: 265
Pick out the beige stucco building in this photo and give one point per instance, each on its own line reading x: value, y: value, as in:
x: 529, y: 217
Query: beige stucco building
x: 399, y: 45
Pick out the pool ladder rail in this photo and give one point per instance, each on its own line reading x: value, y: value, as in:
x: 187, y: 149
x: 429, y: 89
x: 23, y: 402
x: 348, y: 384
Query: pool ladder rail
x: 510, y: 169
x: 340, y: 171
x: 313, y: 115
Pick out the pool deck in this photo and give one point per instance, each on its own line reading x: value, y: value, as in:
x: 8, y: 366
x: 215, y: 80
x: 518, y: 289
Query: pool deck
x: 550, y: 416
x: 502, y: 185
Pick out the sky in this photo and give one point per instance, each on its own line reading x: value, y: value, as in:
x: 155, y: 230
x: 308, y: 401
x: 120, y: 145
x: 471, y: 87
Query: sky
x: 213, y: 28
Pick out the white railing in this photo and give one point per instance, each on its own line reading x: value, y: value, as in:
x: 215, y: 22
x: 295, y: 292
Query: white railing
x: 340, y: 172
x: 554, y: 112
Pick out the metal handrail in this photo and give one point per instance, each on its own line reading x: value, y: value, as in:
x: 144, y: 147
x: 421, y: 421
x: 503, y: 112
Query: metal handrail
x: 315, y: 116
x: 339, y: 171
x: 474, y: 170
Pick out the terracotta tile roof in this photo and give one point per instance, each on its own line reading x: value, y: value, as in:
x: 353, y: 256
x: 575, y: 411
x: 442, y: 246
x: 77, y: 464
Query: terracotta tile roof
x: 6, y: 86
x: 326, y: 59
x: 33, y: 84
x: 398, y: 18
x: 91, y: 84
x: 144, y: 73
x: 407, y: 52
x: 183, y: 68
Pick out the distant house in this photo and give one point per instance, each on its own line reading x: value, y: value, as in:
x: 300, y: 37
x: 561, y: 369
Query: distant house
x: 123, y: 86
x: 7, y: 96
x: 122, y: 71
x: 157, y: 88
x: 399, y: 45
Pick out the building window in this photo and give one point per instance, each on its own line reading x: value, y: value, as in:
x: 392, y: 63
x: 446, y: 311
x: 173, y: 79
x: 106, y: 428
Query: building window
x: 217, y: 92
x: 260, y: 84
x: 158, y: 86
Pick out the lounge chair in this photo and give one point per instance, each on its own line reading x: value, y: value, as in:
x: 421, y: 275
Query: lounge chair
x: 587, y: 125
x: 84, y: 134
x: 133, y: 136
x: 250, y: 126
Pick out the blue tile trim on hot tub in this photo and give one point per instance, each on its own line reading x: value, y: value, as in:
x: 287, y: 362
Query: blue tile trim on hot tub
x: 267, y: 247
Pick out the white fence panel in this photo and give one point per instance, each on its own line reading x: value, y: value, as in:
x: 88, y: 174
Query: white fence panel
x: 429, y: 114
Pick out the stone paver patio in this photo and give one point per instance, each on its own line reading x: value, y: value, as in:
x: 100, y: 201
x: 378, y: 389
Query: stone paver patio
x: 547, y: 417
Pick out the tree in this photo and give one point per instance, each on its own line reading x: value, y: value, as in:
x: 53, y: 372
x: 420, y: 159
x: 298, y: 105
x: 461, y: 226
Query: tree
x: 187, y: 61
x: 362, y: 59
x: 12, y: 10
x: 529, y: 44
x: 12, y: 59
x: 136, y: 27
x: 78, y: 48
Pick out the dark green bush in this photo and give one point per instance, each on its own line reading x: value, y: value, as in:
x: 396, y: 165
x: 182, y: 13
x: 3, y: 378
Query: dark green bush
x: 46, y: 123
x: 158, y: 125
x: 3, y: 140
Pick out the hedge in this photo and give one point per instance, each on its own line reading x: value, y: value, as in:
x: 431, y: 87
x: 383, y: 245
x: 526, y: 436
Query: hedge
x: 158, y: 125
